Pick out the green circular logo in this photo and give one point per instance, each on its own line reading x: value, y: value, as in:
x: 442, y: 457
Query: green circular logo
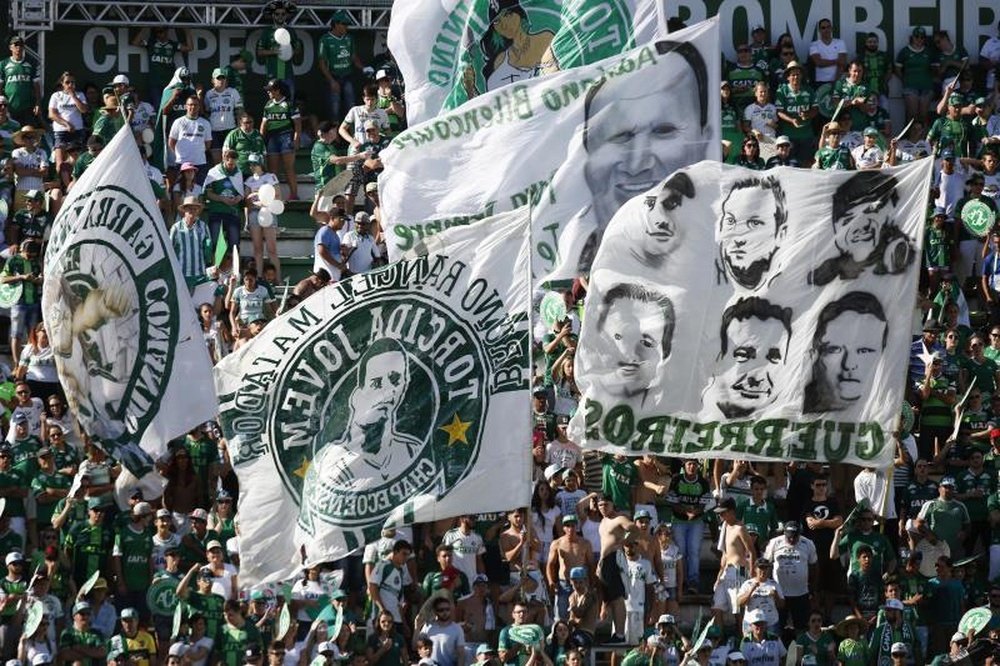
x: 552, y: 308
x: 506, y: 41
x: 10, y: 294
x: 382, y: 403
x: 824, y: 100
x: 111, y: 311
x: 161, y: 597
x: 978, y: 218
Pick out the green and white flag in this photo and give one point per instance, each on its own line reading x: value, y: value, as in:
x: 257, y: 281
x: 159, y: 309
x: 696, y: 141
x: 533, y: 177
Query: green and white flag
x: 396, y: 396
x: 128, y: 349
x: 469, y: 47
x: 576, y: 145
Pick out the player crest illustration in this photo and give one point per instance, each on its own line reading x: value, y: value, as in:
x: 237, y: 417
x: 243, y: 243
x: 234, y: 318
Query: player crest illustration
x: 750, y: 232
x: 754, y: 337
x: 864, y: 233
x: 386, y: 433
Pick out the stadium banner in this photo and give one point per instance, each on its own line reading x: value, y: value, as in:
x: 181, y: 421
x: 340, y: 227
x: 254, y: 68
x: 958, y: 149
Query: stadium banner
x: 392, y: 397
x: 792, y: 344
x: 469, y: 47
x: 588, y: 139
x: 128, y: 349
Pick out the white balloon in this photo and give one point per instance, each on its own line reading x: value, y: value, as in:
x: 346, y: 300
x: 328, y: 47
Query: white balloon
x: 265, y: 218
x: 147, y: 135
x: 282, y: 36
x: 285, y: 52
x: 277, y: 207
x: 266, y: 194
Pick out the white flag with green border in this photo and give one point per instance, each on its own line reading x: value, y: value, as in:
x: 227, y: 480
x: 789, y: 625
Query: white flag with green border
x: 396, y: 396
x: 128, y: 349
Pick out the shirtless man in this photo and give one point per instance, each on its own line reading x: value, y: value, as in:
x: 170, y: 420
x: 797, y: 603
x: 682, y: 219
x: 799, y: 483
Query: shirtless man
x: 654, y: 482
x: 737, y: 559
x: 474, y: 611
x: 513, y: 540
x: 613, y: 529
x: 649, y: 548
x: 565, y: 553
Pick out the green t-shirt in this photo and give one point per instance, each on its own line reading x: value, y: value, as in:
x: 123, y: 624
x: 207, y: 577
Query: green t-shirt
x: 617, y: 479
x: 916, y: 67
x: 71, y: 637
x: 946, y: 519
x: 233, y: 642
x: 134, y: 549
x: 19, y: 84
x: 41, y: 483
x: 279, y: 115
x: 31, y: 226
x: 935, y: 411
x: 10, y: 588
x: 876, y: 66
x: 819, y: 648
x: 337, y: 53
x: 937, y: 247
x: 320, y: 155
x: 762, y: 516
x: 984, y: 372
x: 834, y: 159
x: 82, y: 162
x: 161, y: 61
x: 968, y: 482
x: 224, y: 184
x: 852, y: 653
x: 19, y: 265
x: 844, y: 89
x: 245, y: 144
x: 742, y: 80
x: 275, y: 67
x: 89, y: 545
x: 13, y: 478
x: 108, y: 124
x: 948, y: 133
x: 210, y: 606
x: 793, y: 103
x: 25, y: 452
x: 881, y: 548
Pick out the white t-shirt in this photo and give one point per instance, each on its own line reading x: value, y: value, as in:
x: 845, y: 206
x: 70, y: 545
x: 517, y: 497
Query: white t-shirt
x: 565, y: 454
x: 390, y: 581
x: 951, y: 188
x: 448, y: 642
x: 160, y: 548
x: 357, y: 116
x: 222, y: 108
x: 638, y: 574
x: 34, y: 411
x: 207, y: 643
x: 466, y: 547
x: 791, y: 563
x: 867, y: 157
x: 306, y: 590
x: 761, y: 599
x: 142, y: 116
x: 758, y: 116
x: 63, y: 104
x: 191, y: 135
x: 991, y: 50
x: 829, y: 51
x: 222, y: 584
x: 365, y: 251
x: 253, y: 183
x: 23, y: 158
x: 670, y: 556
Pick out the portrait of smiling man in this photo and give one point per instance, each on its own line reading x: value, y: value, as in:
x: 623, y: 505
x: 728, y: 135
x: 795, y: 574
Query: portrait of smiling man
x: 850, y: 336
x: 755, y: 335
x: 750, y: 231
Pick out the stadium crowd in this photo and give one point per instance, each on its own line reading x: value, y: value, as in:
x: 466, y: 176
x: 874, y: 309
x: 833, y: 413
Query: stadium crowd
x: 839, y: 564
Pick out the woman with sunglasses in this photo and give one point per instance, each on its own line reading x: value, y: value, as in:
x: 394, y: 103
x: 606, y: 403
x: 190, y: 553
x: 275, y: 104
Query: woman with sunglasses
x: 222, y: 518
x: 37, y: 365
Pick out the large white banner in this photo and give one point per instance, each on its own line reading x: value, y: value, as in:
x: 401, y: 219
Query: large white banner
x: 468, y: 47
x: 578, y: 144
x: 760, y: 315
x: 128, y: 349
x: 400, y: 395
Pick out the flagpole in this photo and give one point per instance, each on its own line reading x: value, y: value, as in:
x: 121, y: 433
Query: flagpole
x: 526, y: 549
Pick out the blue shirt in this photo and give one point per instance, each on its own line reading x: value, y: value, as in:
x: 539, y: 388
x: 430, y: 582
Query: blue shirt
x: 328, y: 238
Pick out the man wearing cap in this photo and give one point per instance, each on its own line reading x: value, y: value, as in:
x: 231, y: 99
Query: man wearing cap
x: 945, y: 518
x: 134, y: 641
x: 782, y: 155
x: 359, y: 245
x: 566, y: 554
x: 80, y: 642
x: 796, y: 108
x: 891, y: 632
x: 21, y: 83
x: 759, y: 646
x: 868, y: 155
x: 190, y: 137
x: 832, y: 155
x: 339, y: 62
x: 192, y: 240
x: 277, y: 63
x: 13, y: 588
x: 31, y: 163
x: 132, y: 558
x: 203, y: 600
x: 30, y: 222
x: 224, y: 106
x: 950, y: 131
x: 88, y: 546
x: 796, y: 562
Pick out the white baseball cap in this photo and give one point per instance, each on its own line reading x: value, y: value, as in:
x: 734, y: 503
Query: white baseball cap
x: 121, y: 78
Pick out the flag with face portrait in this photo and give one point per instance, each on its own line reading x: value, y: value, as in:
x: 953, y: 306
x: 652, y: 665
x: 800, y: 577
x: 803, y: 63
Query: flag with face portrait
x: 469, y: 47
x: 759, y: 315
x: 577, y: 144
x: 393, y: 397
x: 124, y: 333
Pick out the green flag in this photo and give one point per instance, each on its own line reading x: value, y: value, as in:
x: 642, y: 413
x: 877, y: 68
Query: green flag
x: 220, y: 247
